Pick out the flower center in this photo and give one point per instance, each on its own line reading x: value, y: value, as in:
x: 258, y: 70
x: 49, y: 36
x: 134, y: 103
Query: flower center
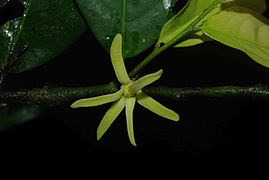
x: 127, y: 91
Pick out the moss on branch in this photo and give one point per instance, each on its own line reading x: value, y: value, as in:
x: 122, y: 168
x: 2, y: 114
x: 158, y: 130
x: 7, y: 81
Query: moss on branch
x: 55, y: 96
x: 61, y: 95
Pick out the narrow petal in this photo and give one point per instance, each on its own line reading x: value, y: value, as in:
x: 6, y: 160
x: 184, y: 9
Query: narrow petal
x: 156, y: 107
x: 145, y: 80
x: 109, y: 117
x: 130, y: 103
x: 99, y: 100
x: 117, y: 60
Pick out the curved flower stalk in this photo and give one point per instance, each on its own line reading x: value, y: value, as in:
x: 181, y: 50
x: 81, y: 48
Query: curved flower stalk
x: 129, y: 93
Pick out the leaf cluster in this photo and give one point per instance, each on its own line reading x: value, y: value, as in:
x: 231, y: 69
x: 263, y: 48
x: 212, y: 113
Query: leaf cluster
x: 41, y: 30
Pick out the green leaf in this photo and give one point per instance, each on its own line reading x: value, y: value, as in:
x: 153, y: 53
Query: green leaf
x: 139, y: 21
x: 9, y: 38
x: 256, y: 5
x: 45, y: 30
x: 2, y: 2
x: 193, y: 39
x: 193, y: 9
x: 183, y: 19
x: 243, y: 29
x: 11, y: 116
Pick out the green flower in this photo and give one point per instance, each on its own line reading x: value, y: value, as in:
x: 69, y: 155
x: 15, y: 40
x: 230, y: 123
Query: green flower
x: 129, y: 93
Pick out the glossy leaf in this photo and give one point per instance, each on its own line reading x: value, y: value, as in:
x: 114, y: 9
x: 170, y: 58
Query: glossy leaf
x: 11, y: 116
x: 256, y: 5
x: 183, y: 19
x: 243, y: 29
x: 10, y: 10
x: 193, y: 39
x: 199, y: 37
x: 192, y: 10
x: 139, y: 21
x: 46, y: 30
x: 2, y: 2
x: 10, y: 34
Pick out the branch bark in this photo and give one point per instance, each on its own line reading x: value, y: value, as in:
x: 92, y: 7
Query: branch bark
x: 58, y: 96
x: 190, y: 29
x: 55, y: 96
x: 259, y: 92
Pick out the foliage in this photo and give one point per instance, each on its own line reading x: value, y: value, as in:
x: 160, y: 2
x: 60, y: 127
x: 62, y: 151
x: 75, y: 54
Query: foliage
x: 14, y: 115
x: 47, y: 28
x: 243, y: 29
x: 238, y: 24
x: 139, y: 22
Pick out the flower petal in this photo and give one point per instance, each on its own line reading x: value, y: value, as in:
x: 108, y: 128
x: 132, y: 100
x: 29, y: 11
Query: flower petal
x: 117, y: 60
x: 99, y: 100
x: 130, y: 103
x: 156, y: 107
x: 145, y: 80
x: 110, y: 116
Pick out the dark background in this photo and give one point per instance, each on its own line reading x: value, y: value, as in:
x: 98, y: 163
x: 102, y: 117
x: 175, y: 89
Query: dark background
x: 208, y: 128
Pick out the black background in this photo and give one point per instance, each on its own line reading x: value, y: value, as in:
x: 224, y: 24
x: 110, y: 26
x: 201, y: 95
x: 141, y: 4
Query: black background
x: 208, y: 128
